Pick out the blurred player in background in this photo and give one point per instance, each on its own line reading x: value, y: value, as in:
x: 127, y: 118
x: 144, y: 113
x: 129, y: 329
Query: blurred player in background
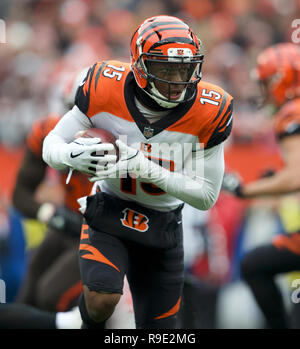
x: 278, y: 72
x: 49, y: 294
x: 52, y: 281
x: 12, y: 250
x: 136, y: 227
x: 54, y: 262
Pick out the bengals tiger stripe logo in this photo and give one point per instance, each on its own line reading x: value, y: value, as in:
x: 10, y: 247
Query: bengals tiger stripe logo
x: 135, y: 220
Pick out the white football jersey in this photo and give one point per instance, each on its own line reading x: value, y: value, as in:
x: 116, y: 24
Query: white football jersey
x: 107, y: 98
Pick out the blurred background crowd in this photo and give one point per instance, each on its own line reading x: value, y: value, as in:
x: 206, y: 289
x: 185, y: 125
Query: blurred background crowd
x: 47, y: 41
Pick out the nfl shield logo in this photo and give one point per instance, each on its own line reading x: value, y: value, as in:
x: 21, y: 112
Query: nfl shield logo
x: 148, y: 132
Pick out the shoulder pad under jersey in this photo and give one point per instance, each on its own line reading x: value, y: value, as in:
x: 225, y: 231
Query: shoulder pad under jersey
x: 102, y: 80
x: 287, y: 120
x: 215, y: 108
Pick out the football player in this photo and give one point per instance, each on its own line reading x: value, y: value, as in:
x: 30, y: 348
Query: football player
x: 170, y: 128
x: 54, y: 261
x: 278, y: 72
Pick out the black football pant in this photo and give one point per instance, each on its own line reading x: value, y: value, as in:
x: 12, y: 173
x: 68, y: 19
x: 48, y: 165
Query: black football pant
x: 259, y: 268
x: 155, y: 276
x: 199, y: 304
x: 23, y: 316
x: 52, y: 281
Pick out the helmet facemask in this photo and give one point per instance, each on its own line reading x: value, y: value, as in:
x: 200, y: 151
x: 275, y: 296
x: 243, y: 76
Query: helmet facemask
x: 166, y: 60
x: 171, y: 79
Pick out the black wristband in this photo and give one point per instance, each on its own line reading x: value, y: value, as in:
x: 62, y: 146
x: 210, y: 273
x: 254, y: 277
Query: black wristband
x: 239, y: 192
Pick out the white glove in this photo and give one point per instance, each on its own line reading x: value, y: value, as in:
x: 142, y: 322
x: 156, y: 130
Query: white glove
x: 131, y: 161
x: 87, y: 155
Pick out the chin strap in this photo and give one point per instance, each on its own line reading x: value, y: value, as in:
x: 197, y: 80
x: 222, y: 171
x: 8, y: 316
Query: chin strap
x: 159, y: 98
x: 146, y: 99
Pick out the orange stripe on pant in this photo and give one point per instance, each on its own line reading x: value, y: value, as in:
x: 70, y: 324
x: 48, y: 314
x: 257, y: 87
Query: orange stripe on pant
x: 170, y: 312
x: 95, y: 255
x: 84, y: 231
x: 290, y: 242
x: 67, y: 297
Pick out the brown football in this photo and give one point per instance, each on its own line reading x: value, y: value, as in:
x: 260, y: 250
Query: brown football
x: 106, y: 137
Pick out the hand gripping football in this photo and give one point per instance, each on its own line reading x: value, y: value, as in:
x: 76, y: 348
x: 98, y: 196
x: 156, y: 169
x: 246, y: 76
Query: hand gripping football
x: 106, y: 137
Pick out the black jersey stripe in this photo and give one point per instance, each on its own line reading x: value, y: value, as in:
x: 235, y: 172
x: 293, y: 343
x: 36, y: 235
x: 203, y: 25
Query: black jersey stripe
x: 98, y: 74
x: 223, y: 103
x: 82, y: 100
x: 90, y: 74
x: 226, y: 115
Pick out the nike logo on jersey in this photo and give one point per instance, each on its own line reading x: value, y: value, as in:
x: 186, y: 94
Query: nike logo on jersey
x: 75, y: 155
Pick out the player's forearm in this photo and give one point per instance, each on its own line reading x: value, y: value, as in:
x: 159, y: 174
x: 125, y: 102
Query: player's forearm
x: 52, y: 148
x: 64, y: 132
x: 200, y: 190
x: 201, y: 195
x: 283, y: 182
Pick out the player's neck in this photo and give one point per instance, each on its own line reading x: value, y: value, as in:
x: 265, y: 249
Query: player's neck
x: 151, y: 115
x: 147, y: 101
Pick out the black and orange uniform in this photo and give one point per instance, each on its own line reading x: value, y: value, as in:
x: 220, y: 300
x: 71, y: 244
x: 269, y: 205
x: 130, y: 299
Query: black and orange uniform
x: 261, y: 265
x: 133, y: 227
x: 52, y: 281
x: 170, y: 121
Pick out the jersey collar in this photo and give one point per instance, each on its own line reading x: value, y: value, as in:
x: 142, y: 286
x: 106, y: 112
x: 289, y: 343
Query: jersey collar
x: 151, y: 129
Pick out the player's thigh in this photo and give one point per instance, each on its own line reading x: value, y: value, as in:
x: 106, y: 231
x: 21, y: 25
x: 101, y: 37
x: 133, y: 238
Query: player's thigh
x: 47, y: 252
x: 270, y: 259
x: 60, y: 286
x: 288, y: 246
x: 41, y: 259
x: 103, y: 262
